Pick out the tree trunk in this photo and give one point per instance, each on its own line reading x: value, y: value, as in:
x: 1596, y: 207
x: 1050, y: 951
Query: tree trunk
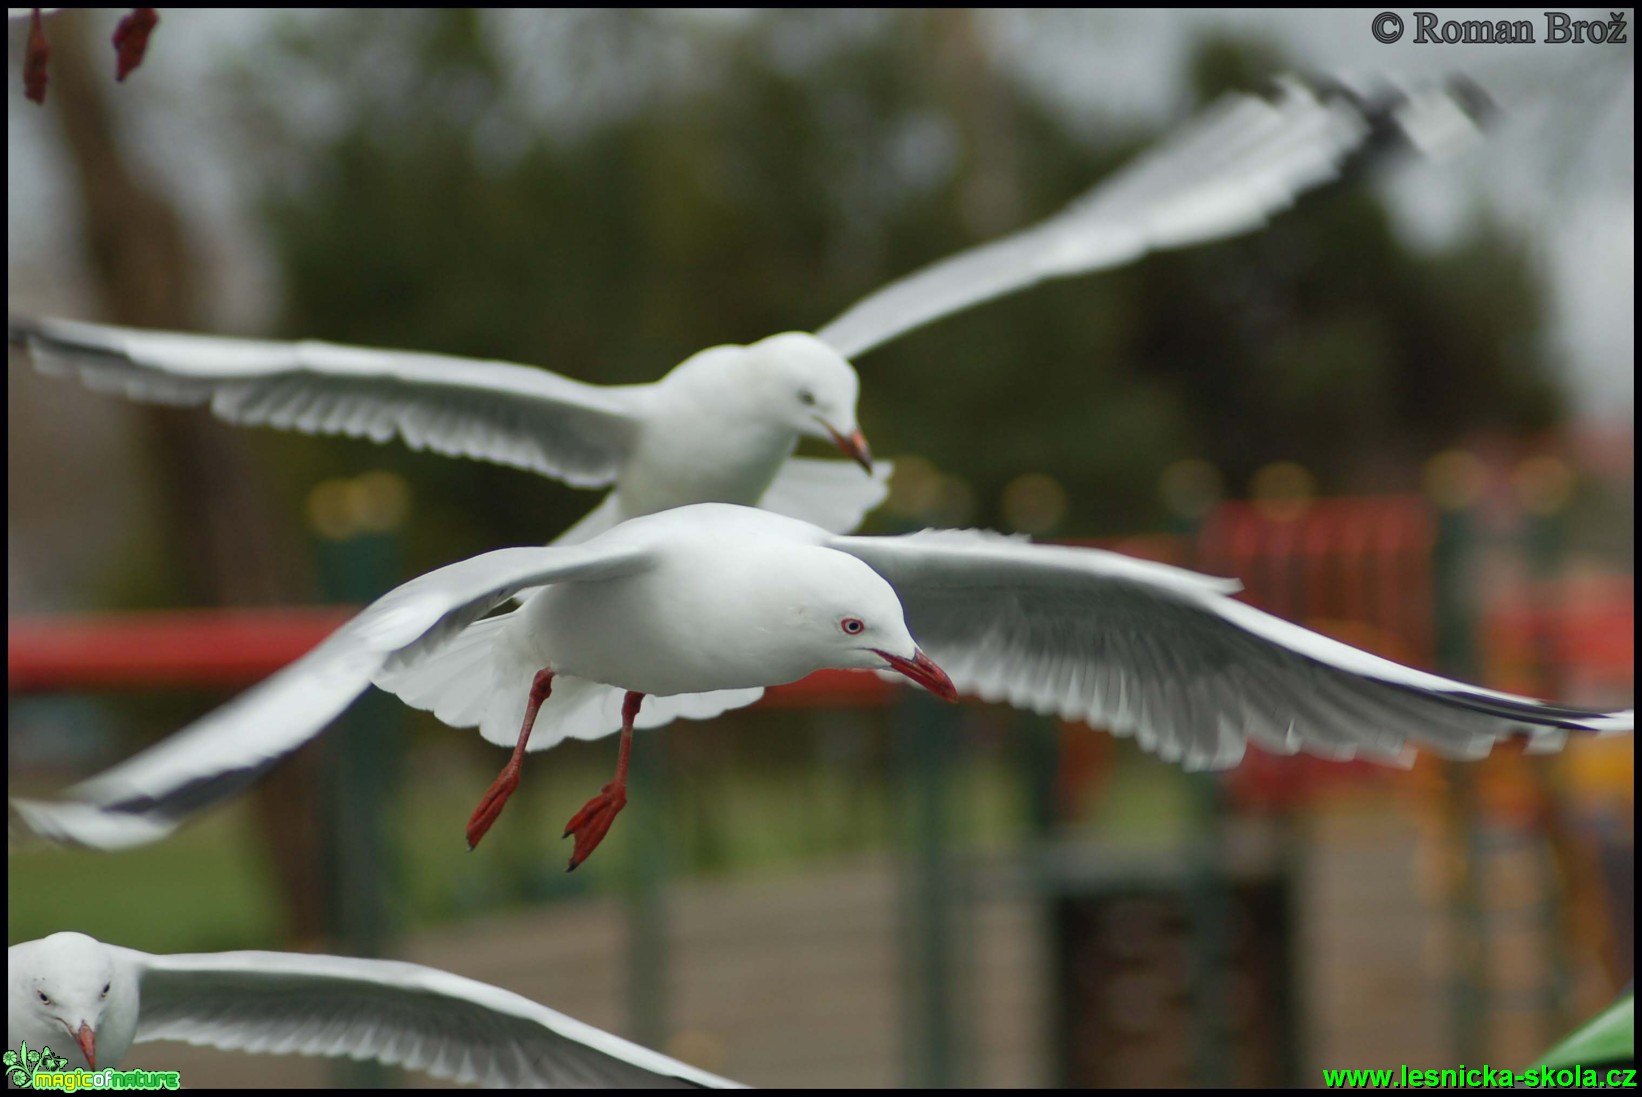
x: 233, y: 545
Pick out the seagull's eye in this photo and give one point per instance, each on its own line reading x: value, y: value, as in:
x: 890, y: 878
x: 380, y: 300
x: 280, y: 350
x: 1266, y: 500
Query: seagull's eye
x: 806, y: 397
x: 105, y: 989
x: 853, y: 625
x: 44, y: 998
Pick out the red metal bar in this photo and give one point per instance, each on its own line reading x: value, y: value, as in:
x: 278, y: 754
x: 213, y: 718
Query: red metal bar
x: 234, y: 648
x: 179, y: 648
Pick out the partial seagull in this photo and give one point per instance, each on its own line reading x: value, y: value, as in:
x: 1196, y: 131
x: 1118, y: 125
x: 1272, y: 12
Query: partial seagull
x: 89, y: 1002
x: 722, y: 425
x: 692, y: 611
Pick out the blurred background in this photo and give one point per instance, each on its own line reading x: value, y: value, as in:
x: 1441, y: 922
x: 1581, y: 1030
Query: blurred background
x: 1402, y: 415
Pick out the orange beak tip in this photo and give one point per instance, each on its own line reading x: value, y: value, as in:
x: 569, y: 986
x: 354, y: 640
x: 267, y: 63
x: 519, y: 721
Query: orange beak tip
x: 922, y: 669
x: 88, y: 1044
x: 853, y: 446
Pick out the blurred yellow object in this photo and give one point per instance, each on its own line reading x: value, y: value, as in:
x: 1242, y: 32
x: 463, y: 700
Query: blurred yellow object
x: 330, y: 510
x: 1543, y: 484
x: 1034, y: 503
x: 915, y: 489
x: 1282, y: 490
x: 1601, y: 772
x: 1454, y: 478
x: 1190, y: 488
x: 373, y: 502
x: 381, y: 501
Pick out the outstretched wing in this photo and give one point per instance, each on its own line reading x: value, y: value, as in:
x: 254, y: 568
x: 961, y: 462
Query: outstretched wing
x: 1164, y: 655
x: 395, y: 1013
x: 1245, y: 159
x: 146, y: 797
x: 492, y: 411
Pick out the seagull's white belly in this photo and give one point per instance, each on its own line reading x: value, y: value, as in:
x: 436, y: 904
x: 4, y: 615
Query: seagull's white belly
x: 650, y: 634
x: 678, y: 462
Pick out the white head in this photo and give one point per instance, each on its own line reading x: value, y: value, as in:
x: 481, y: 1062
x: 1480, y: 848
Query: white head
x: 845, y: 615
x: 793, y: 380
x: 68, y: 992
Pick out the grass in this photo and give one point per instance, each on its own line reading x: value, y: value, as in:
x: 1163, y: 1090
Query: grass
x: 750, y: 794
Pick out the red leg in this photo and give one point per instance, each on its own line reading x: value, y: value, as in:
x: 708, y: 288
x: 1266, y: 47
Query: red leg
x: 592, y: 822
x: 495, y: 797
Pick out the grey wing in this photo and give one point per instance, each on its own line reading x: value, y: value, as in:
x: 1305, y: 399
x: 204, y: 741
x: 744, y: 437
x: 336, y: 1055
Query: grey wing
x: 1164, y: 655
x: 395, y: 1013
x: 1227, y: 172
x: 512, y: 415
x: 146, y: 797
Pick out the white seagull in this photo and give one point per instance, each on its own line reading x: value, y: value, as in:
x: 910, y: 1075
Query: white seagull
x: 723, y: 424
x: 692, y: 611
x: 89, y: 1002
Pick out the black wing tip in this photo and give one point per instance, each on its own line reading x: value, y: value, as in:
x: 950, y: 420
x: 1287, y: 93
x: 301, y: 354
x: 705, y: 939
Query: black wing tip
x: 1479, y: 106
x: 1528, y: 714
x: 1389, y: 108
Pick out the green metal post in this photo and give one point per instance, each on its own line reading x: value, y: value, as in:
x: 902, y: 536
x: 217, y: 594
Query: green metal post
x: 930, y: 887
x: 1210, y: 899
x: 1455, y: 627
x: 647, y: 983
x: 1206, y: 886
x: 1545, y: 544
x: 1037, y: 754
x: 361, y: 776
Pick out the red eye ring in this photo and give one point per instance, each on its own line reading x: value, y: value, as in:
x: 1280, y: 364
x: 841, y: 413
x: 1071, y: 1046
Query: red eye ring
x: 853, y: 626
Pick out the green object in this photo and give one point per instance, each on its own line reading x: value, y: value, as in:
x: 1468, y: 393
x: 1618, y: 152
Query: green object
x: 363, y: 768
x: 1610, y: 1038
x: 929, y: 741
x: 648, y: 999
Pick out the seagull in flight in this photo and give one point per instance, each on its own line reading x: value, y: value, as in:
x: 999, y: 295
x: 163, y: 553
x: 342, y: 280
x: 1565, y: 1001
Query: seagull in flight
x: 693, y: 611
x: 89, y: 1002
x: 722, y: 426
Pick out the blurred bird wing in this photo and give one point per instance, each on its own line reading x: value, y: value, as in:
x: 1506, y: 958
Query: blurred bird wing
x: 395, y: 1013
x: 1243, y: 160
x: 512, y: 415
x: 1164, y: 655
x: 146, y: 797
x: 831, y: 494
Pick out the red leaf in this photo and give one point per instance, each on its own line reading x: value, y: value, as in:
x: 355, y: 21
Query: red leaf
x: 35, y: 57
x: 131, y: 39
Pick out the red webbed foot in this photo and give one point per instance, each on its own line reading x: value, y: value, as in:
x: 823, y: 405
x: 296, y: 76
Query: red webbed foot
x: 491, y: 804
x: 592, y: 822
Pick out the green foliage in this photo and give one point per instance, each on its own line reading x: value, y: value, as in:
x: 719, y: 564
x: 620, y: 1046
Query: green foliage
x: 1610, y: 1037
x: 435, y: 209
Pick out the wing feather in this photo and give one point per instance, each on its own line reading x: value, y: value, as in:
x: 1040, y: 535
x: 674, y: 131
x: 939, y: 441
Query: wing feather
x: 1164, y: 655
x: 507, y: 414
x: 146, y: 797
x: 1228, y: 172
x: 392, y: 1012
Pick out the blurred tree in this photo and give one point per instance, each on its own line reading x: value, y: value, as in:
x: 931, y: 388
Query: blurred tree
x: 789, y: 164
x: 230, y: 541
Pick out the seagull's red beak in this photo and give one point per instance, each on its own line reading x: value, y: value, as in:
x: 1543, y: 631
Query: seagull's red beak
x: 922, y: 669
x: 853, y: 446
x: 88, y: 1044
